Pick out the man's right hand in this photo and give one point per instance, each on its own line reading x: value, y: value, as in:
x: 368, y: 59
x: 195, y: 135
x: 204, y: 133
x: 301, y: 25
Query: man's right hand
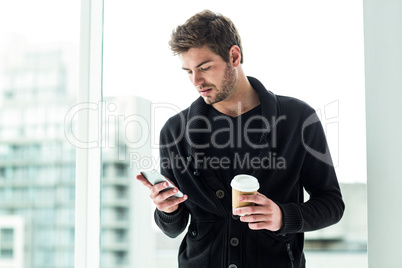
x: 163, y: 199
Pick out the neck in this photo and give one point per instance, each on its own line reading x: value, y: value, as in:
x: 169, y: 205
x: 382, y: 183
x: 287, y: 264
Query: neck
x: 243, y: 99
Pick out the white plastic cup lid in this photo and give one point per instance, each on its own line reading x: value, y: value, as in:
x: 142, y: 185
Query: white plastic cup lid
x: 245, y: 183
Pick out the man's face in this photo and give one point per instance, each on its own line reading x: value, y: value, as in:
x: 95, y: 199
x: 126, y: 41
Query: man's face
x: 214, y: 78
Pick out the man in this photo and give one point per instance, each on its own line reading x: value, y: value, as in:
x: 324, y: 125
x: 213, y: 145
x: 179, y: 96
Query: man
x: 238, y: 127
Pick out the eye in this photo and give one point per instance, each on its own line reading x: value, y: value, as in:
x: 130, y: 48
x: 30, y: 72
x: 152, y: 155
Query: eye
x: 206, y: 69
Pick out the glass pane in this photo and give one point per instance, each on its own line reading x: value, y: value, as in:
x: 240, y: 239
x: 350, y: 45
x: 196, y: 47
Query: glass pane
x: 38, y: 85
x: 295, y: 48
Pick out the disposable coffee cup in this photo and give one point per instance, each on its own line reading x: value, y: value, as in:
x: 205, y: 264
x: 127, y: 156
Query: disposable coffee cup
x: 243, y: 185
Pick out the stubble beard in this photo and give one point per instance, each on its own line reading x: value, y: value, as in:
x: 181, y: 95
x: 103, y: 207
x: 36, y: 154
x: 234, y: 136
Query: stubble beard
x: 228, y: 83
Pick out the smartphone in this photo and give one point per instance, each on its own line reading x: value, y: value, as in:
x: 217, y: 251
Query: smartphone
x: 154, y: 177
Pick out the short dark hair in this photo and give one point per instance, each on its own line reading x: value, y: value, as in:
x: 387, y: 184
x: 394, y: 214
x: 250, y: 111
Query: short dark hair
x: 206, y: 28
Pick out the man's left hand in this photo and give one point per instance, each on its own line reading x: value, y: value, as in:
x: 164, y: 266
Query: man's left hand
x: 265, y: 215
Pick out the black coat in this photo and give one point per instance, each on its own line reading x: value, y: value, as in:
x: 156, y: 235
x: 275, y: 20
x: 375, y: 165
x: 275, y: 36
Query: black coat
x: 215, y: 238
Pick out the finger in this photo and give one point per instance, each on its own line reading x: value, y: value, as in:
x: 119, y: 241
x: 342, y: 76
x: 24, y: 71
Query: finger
x: 170, y: 202
x: 258, y: 199
x: 163, y: 195
x: 144, y: 181
x: 242, y: 210
x: 251, y: 210
x: 259, y: 225
x: 269, y: 225
x: 255, y: 218
x: 157, y: 188
x: 248, y: 198
x: 260, y: 194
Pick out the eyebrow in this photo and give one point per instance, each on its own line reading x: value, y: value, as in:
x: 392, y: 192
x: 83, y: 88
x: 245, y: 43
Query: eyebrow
x: 199, y: 65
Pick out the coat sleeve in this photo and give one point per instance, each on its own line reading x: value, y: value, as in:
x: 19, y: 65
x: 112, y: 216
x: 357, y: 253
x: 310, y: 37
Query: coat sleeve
x: 172, y: 224
x: 317, y: 175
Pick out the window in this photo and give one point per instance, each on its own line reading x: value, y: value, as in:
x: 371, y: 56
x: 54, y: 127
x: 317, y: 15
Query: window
x: 304, y: 60
x: 6, y: 254
x: 7, y: 235
x: 39, y: 52
x: 36, y: 161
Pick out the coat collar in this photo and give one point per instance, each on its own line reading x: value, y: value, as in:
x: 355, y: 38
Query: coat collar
x: 269, y: 109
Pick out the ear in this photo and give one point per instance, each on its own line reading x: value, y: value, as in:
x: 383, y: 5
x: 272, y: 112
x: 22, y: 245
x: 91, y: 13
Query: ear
x: 235, y: 55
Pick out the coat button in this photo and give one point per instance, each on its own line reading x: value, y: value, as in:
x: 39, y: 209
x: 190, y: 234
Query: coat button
x: 196, y: 173
x: 234, y: 241
x: 220, y: 194
x: 189, y: 158
x: 235, y: 217
x: 233, y: 266
x: 194, y: 233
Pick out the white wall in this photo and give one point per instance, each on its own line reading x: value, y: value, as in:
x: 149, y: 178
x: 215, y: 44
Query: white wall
x: 383, y: 60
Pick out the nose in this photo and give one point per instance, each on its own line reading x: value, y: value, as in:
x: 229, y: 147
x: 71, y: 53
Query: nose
x: 197, y: 79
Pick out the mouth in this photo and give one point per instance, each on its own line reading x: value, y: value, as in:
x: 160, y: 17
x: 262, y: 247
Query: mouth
x: 205, y: 92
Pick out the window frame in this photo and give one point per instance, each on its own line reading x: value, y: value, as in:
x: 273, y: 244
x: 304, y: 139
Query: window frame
x: 88, y: 160
x: 88, y: 167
